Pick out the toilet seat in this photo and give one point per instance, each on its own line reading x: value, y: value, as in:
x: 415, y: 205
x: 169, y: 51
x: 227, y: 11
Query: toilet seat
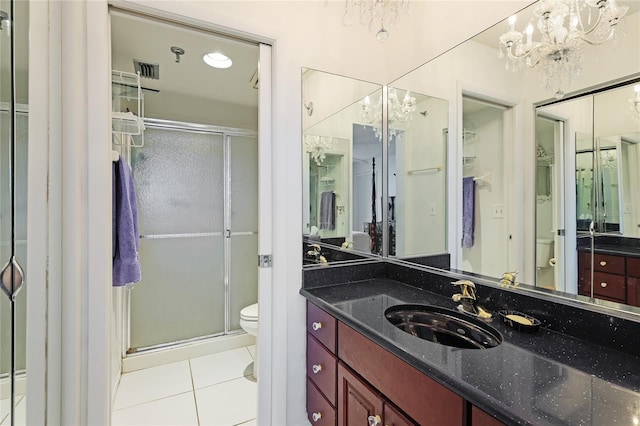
x: 249, y: 313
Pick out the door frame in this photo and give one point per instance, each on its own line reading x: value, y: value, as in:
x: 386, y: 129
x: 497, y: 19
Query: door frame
x: 69, y: 305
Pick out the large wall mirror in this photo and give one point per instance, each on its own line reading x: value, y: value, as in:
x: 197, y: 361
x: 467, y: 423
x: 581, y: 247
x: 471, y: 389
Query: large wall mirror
x: 359, y: 176
x: 538, y: 154
x: 539, y: 162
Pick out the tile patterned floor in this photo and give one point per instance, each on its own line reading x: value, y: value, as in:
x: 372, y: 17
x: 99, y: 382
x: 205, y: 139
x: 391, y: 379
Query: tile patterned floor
x: 213, y: 390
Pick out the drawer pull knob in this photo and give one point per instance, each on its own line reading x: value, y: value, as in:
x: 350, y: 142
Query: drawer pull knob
x: 374, y: 420
x: 603, y: 263
x: 316, y: 368
x: 316, y: 326
x: 603, y: 285
x: 316, y: 416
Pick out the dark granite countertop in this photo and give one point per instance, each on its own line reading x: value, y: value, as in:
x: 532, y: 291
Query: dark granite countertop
x: 547, y: 378
x: 613, y: 245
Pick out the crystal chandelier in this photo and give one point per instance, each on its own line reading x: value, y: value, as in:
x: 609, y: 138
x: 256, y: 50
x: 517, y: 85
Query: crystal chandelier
x: 317, y: 146
x: 564, y: 26
x: 398, y: 112
x: 374, y: 13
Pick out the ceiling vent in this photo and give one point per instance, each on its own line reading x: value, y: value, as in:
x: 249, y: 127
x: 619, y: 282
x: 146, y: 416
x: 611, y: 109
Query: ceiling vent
x: 147, y: 69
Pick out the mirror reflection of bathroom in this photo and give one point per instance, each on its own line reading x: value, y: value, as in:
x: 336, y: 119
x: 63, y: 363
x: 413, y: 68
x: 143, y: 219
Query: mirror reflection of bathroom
x: 193, y: 315
x: 486, y: 207
x: 549, y: 133
x: 340, y: 143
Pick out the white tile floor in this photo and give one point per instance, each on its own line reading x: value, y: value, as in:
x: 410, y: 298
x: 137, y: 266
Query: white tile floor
x: 211, y: 390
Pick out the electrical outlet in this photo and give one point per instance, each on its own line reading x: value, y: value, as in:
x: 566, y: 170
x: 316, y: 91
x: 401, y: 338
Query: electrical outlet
x: 498, y: 212
x: 432, y: 209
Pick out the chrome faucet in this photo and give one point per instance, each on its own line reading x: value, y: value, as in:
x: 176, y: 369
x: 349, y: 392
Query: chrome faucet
x: 509, y: 279
x: 467, y: 299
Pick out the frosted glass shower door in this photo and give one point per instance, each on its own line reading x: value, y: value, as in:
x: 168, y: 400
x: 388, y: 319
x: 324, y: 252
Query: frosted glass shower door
x: 243, y: 222
x: 179, y: 179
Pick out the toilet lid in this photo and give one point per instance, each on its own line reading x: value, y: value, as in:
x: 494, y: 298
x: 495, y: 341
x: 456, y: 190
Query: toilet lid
x: 249, y: 313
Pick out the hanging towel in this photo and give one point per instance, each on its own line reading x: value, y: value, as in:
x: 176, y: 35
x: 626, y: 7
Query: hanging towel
x: 126, y: 236
x: 468, y: 211
x: 328, y: 210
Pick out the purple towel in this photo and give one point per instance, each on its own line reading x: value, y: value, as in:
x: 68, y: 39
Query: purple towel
x: 468, y: 211
x: 126, y: 237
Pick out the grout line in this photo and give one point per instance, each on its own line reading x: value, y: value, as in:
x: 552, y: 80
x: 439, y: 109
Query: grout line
x: 151, y: 400
x: 193, y: 392
x: 250, y: 354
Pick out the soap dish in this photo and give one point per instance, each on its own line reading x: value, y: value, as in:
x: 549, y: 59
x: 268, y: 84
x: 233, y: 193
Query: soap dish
x: 520, y: 321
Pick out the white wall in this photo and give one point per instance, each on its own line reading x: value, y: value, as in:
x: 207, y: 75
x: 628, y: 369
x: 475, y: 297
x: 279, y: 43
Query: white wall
x: 421, y: 208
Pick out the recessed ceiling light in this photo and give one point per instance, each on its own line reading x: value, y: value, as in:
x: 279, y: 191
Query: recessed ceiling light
x: 217, y: 60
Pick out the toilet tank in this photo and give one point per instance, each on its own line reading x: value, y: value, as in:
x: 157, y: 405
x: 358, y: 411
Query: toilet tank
x: 544, y: 252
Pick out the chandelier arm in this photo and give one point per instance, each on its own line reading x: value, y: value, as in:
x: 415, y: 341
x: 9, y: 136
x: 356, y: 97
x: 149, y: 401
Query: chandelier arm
x: 526, y: 55
x: 596, y: 25
x: 597, y: 43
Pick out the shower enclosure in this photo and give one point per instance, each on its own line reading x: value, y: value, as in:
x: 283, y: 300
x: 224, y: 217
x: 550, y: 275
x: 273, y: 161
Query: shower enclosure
x: 13, y: 209
x: 197, y: 193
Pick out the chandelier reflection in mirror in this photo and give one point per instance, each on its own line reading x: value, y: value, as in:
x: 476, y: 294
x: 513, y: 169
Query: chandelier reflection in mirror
x: 375, y: 12
x: 398, y: 112
x: 318, y: 146
x: 564, y: 26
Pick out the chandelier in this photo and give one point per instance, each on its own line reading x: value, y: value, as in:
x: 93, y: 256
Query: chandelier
x: 398, y: 112
x: 374, y: 13
x: 564, y: 26
x: 317, y: 146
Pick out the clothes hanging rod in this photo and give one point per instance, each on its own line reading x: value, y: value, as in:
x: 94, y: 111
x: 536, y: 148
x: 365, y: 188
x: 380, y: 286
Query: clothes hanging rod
x: 437, y: 168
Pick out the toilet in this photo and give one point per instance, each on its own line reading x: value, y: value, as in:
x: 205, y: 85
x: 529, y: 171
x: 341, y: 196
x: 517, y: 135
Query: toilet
x: 249, y: 323
x: 544, y: 252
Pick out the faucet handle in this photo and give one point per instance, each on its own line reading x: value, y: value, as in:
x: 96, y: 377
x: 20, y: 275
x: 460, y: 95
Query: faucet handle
x: 464, y: 283
x: 509, y: 278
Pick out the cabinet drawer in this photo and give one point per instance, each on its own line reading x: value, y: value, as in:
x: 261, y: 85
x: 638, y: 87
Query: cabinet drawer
x: 322, y: 326
x: 633, y: 267
x: 321, y: 368
x: 609, y: 286
x: 607, y: 263
x: 319, y: 411
x: 398, y: 381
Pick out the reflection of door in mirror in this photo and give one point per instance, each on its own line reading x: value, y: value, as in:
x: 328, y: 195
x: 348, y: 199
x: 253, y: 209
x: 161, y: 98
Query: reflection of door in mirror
x: 485, y: 208
x: 328, y: 190
x: 549, y: 190
x: 601, y: 163
x: 417, y: 177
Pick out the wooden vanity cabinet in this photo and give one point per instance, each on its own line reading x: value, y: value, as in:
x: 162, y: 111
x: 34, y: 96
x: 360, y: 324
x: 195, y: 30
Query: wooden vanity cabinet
x: 358, y: 380
x: 633, y: 281
x: 360, y: 404
x: 480, y: 418
x: 609, y: 280
x: 615, y: 278
x: 321, y: 367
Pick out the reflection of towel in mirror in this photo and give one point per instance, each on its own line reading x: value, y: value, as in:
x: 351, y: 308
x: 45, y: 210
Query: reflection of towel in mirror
x: 468, y: 211
x: 328, y: 210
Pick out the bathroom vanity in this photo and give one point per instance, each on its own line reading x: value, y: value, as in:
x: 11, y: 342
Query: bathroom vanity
x: 360, y: 366
x: 616, y: 269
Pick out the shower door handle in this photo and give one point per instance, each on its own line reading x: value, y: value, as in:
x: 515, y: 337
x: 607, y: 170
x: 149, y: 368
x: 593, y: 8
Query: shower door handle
x: 227, y: 233
x: 12, y: 278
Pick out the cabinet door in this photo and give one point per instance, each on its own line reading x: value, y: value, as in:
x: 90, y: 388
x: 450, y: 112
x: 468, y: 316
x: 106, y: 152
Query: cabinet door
x: 357, y: 401
x: 394, y: 417
x: 480, y: 418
